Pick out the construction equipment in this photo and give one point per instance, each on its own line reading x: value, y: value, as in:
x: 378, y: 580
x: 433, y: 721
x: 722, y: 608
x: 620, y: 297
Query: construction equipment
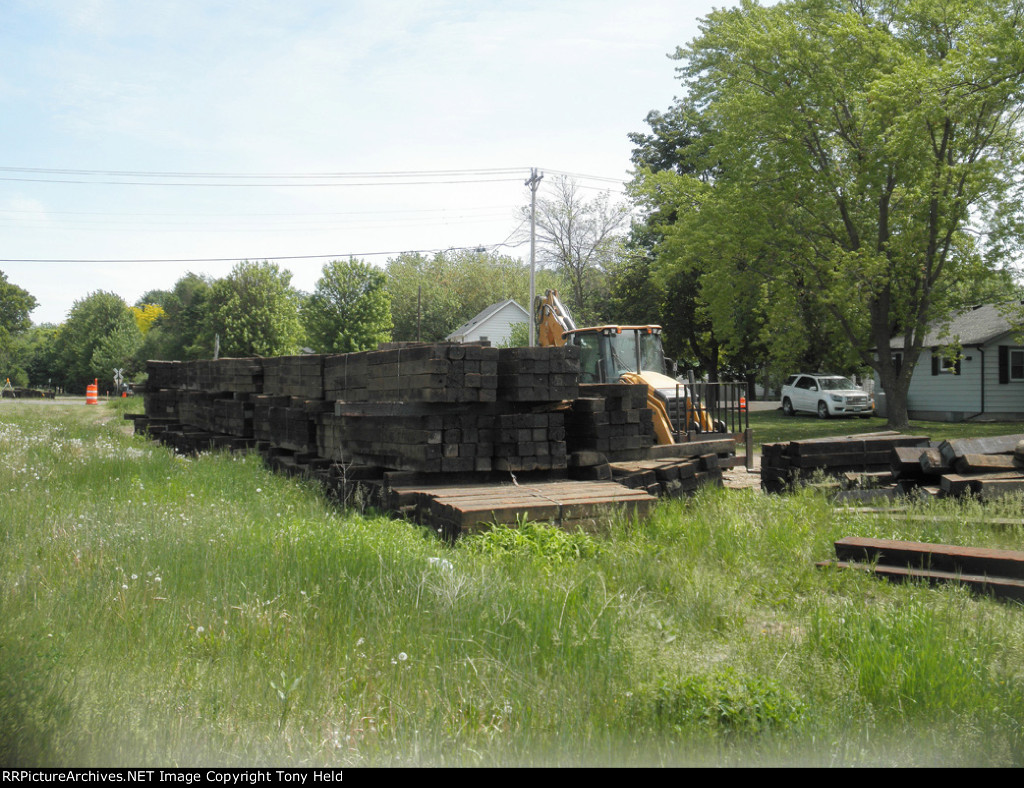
x: 626, y: 354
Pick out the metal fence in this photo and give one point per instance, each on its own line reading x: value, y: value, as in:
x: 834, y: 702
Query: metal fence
x: 700, y: 408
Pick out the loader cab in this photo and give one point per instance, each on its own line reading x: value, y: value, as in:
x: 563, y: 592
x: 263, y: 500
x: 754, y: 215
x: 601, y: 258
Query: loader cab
x: 606, y: 352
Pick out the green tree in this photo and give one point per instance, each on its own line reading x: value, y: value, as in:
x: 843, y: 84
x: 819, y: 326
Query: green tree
x: 16, y: 304
x: 432, y: 296
x: 865, y: 156
x: 350, y: 309
x: 183, y: 331
x: 117, y: 350
x: 91, y: 321
x: 255, y: 311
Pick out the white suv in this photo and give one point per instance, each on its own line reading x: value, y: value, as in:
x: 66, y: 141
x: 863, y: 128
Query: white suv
x: 826, y: 395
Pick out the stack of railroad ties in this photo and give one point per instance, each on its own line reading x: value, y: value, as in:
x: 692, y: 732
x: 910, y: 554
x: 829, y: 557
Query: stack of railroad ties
x: 893, y: 464
x: 453, y: 436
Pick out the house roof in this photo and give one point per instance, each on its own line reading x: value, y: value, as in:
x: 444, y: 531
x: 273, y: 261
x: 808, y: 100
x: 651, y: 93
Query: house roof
x: 482, y: 317
x: 974, y: 326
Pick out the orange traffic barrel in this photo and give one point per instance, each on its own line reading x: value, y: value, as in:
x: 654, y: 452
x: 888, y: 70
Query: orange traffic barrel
x: 743, y: 403
x: 91, y: 393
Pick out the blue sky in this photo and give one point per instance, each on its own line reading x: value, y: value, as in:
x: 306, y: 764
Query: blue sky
x: 120, y: 119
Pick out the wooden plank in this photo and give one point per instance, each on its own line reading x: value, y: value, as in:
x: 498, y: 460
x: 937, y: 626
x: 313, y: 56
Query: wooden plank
x: 946, y: 558
x: 1001, y: 587
x: 955, y: 484
x: 989, y: 489
x: 694, y: 448
x: 953, y: 450
x: 981, y: 463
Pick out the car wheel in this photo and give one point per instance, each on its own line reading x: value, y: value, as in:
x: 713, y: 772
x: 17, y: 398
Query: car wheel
x: 787, y: 407
x: 822, y: 410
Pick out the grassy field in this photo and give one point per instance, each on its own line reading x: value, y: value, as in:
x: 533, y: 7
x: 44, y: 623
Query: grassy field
x: 771, y: 426
x: 157, y: 610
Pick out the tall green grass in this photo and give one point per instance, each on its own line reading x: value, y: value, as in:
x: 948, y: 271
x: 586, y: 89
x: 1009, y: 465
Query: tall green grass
x: 159, y: 610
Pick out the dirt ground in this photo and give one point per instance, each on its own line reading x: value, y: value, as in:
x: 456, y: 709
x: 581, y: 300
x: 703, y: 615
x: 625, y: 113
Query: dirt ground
x: 741, y: 479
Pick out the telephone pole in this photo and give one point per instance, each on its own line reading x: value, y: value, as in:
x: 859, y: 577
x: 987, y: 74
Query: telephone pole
x: 533, y: 183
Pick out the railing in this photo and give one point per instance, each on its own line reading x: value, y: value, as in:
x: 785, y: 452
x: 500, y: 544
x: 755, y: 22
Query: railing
x: 712, y: 409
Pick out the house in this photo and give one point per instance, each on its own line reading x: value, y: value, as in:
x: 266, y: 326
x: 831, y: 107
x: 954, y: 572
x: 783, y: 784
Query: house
x: 970, y: 366
x: 493, y: 324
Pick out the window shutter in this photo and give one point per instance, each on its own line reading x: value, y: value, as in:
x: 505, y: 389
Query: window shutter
x: 935, y: 363
x: 1004, y: 364
x: 956, y: 369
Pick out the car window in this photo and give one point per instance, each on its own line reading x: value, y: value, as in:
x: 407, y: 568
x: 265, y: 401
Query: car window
x: 837, y: 384
x: 806, y: 383
x: 790, y: 380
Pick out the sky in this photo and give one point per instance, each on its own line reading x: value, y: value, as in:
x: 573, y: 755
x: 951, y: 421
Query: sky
x: 141, y: 141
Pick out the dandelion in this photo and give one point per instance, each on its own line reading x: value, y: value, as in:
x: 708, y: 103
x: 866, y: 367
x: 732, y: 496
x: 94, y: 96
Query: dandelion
x: 402, y: 656
x: 200, y: 630
x: 135, y: 576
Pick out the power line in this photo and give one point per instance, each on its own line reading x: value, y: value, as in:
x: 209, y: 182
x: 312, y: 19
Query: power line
x: 265, y: 175
x: 250, y: 184
x: 340, y: 255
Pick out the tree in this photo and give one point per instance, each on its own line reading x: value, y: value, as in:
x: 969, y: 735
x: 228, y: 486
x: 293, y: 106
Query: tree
x: 865, y: 156
x: 581, y: 239
x: 117, y: 350
x: 350, y: 310
x: 255, y: 311
x: 145, y: 315
x: 90, y: 324
x: 15, y: 306
x: 432, y: 296
x: 183, y: 331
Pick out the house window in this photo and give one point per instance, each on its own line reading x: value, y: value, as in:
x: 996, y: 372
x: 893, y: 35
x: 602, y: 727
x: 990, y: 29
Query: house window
x: 950, y: 365
x: 1017, y: 364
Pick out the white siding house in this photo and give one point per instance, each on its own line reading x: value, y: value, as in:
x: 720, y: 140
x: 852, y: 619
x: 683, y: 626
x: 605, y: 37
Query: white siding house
x: 971, y: 366
x: 493, y: 324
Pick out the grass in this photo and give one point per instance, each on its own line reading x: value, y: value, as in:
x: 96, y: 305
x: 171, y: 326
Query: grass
x: 772, y: 426
x: 166, y: 611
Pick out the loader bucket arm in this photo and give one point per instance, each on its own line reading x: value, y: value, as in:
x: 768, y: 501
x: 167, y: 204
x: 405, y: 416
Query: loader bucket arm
x: 553, y: 320
x: 662, y: 423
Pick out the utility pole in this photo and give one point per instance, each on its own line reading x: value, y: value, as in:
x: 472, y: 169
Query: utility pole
x: 533, y: 183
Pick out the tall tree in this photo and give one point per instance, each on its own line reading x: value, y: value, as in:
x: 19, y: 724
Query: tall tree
x: 581, y: 239
x: 432, y: 296
x: 350, y: 310
x: 182, y: 331
x: 16, y: 304
x: 92, y: 321
x: 255, y: 311
x: 867, y: 151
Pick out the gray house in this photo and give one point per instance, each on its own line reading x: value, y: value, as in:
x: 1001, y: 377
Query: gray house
x: 493, y: 324
x: 970, y: 366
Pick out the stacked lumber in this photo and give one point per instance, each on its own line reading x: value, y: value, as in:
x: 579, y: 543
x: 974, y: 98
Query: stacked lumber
x: 612, y: 419
x: 997, y: 572
x: 163, y: 375
x: 236, y: 375
x: 985, y: 467
x: 538, y: 374
x: 414, y: 373
x: 467, y: 414
x: 456, y: 509
x: 785, y: 464
x: 293, y: 376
